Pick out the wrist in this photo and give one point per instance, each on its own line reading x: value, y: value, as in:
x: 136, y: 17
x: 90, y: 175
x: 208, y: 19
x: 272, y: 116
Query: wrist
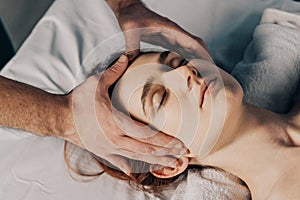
x: 66, y: 126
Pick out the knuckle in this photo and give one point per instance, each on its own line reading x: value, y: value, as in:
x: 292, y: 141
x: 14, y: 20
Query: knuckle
x: 168, y: 151
x: 104, y: 78
x: 129, y: 24
x: 115, y: 141
x: 117, y: 66
x: 165, y: 161
x: 104, y: 101
x: 175, y: 152
x: 150, y: 150
x: 113, y: 70
x: 198, y: 39
x: 193, y: 45
x: 136, y: 156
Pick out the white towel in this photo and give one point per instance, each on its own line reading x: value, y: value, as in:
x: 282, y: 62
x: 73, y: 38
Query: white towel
x: 211, y: 184
x: 269, y: 72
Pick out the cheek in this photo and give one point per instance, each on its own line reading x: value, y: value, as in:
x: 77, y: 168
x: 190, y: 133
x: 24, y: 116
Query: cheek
x: 134, y: 106
x: 169, y: 117
x: 180, y: 118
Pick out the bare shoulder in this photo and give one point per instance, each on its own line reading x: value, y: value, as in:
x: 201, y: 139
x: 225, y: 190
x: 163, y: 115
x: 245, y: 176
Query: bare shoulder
x: 287, y: 186
x: 293, y: 119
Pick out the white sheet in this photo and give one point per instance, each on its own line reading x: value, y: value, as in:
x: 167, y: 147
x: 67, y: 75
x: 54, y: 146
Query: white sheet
x: 61, y: 51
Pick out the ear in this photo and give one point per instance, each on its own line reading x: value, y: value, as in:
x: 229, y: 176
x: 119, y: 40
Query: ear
x: 177, y: 167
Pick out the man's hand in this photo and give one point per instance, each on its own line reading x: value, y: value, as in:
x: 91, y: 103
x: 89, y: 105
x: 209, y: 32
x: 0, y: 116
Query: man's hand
x: 98, y: 131
x: 141, y: 24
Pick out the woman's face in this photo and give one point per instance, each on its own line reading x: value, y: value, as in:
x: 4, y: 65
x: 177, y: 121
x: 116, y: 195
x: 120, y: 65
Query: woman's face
x: 188, y: 100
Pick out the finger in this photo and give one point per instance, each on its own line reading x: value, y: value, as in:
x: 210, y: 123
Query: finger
x: 198, y: 47
x: 143, y: 148
x: 132, y: 54
x: 119, y: 163
x: 163, y: 140
x: 180, y: 41
x: 201, y: 42
x: 135, y: 149
x: 131, y: 127
x: 159, y: 144
x: 157, y: 39
x: 173, y: 32
x: 190, y: 44
x: 125, y: 165
x: 142, y: 132
x: 134, y: 132
x: 161, y: 160
x: 112, y: 74
x: 132, y: 40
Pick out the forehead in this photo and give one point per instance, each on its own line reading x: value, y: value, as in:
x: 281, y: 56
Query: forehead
x: 145, y: 58
x: 164, y: 58
x: 128, y: 90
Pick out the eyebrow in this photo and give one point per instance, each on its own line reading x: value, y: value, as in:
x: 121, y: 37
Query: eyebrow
x: 146, y: 89
x: 149, y: 83
x: 163, y: 56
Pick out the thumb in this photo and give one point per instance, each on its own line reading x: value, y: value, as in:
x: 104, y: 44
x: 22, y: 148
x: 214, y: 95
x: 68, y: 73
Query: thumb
x: 203, y: 52
x: 112, y: 74
x: 132, y: 39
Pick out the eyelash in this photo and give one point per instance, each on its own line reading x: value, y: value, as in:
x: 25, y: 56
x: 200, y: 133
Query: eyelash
x: 163, y: 99
x: 183, y: 62
x: 178, y: 62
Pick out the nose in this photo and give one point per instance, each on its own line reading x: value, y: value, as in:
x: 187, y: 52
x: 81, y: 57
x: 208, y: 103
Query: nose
x: 191, y: 76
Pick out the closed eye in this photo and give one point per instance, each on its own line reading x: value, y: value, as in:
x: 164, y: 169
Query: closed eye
x: 158, y: 99
x: 183, y: 62
x: 177, y: 61
x: 163, y: 99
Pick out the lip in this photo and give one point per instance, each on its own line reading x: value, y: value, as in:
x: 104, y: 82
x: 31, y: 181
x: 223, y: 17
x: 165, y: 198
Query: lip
x: 206, y: 88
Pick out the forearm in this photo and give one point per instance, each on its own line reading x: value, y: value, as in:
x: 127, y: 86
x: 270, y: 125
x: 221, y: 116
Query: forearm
x: 31, y: 109
x: 118, y: 5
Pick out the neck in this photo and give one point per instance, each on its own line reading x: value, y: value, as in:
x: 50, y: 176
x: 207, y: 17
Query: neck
x: 243, y: 148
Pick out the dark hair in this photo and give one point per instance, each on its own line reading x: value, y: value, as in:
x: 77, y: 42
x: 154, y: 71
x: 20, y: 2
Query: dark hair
x: 144, y: 180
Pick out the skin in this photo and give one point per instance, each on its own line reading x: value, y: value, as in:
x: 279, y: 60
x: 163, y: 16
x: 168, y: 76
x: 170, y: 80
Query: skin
x: 25, y: 107
x: 184, y: 97
x: 259, y: 146
x: 34, y: 110
x: 139, y: 23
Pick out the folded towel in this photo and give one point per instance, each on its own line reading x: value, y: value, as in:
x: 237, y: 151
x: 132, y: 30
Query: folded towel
x: 211, y: 184
x: 269, y: 72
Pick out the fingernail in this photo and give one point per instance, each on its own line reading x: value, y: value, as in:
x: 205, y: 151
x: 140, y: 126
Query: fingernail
x: 126, y: 171
x: 122, y: 58
x: 187, y: 152
x: 172, y: 164
x: 183, y: 152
